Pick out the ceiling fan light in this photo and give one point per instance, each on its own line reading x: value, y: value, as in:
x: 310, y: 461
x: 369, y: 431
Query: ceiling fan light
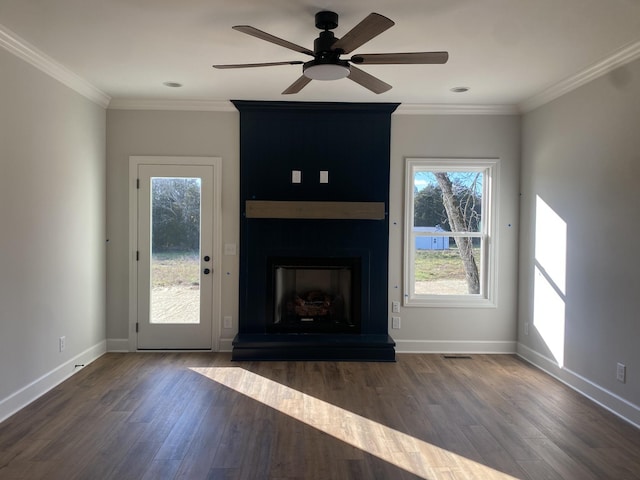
x: 327, y: 71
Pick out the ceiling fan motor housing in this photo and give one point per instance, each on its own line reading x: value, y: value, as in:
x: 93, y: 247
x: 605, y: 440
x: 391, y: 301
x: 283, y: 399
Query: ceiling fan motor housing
x: 322, y: 44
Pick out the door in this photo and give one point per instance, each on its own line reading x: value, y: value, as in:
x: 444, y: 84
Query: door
x: 175, y: 257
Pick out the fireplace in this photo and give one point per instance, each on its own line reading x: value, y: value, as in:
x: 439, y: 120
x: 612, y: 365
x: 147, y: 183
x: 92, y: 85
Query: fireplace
x: 314, y: 232
x: 313, y: 295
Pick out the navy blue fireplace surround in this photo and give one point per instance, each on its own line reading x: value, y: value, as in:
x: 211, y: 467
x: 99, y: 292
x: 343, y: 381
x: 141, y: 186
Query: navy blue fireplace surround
x: 313, y: 266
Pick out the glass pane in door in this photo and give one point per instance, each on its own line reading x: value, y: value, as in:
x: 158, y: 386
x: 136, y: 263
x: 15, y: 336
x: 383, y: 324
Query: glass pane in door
x: 175, y: 250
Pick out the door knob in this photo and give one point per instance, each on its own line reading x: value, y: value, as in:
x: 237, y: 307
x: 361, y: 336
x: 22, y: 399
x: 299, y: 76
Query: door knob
x: 206, y: 271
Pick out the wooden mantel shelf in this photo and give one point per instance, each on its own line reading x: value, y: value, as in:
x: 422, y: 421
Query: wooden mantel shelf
x: 315, y: 210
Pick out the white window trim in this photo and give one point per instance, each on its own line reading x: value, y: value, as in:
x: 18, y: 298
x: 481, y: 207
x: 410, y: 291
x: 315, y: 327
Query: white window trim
x: 488, y: 297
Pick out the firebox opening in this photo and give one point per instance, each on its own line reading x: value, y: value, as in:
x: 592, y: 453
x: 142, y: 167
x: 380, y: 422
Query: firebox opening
x: 314, y: 295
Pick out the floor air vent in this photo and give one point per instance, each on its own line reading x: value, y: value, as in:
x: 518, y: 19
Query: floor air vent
x: 454, y: 356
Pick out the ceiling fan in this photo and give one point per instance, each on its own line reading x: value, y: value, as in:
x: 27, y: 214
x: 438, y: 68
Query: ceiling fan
x: 327, y: 64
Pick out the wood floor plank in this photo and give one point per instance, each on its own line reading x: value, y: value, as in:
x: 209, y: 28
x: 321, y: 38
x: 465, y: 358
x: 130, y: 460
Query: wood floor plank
x: 204, y: 444
x: 201, y: 416
x: 565, y: 466
x: 491, y: 451
x: 162, y: 469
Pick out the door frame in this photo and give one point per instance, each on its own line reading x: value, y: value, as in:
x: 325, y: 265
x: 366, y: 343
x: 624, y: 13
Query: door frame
x: 216, y: 309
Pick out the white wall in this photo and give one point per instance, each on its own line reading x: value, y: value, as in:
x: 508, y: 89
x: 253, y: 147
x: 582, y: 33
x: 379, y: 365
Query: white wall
x: 458, y: 329
x: 52, y: 240
x: 581, y: 156
x: 217, y: 134
x: 133, y: 132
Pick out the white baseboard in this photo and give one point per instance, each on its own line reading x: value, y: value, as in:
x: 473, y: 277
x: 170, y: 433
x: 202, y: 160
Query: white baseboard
x: 603, y: 397
x: 455, y: 346
x: 40, y: 386
x: 117, y: 344
x: 122, y: 345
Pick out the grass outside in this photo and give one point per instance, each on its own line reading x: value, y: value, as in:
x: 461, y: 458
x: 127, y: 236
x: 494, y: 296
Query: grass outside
x: 434, y: 265
x: 175, y: 269
x: 175, y: 292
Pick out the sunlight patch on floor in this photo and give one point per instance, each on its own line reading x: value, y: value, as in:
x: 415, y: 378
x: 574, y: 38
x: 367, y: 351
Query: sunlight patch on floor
x: 404, y: 451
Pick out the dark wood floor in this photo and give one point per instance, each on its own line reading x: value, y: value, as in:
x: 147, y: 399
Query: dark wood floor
x: 199, y: 416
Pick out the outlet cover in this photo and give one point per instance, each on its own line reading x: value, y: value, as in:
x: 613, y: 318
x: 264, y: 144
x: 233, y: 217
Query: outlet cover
x: 395, y: 307
x: 621, y: 372
x: 227, y: 322
x: 395, y: 323
x: 62, y: 343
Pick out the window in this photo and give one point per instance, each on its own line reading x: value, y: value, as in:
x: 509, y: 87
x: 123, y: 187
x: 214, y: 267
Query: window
x: 449, y: 249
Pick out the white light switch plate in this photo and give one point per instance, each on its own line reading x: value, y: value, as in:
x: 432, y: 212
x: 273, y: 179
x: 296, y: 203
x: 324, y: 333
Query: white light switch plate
x: 296, y: 176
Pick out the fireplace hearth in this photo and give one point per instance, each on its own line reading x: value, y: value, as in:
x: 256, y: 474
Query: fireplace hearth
x: 314, y: 232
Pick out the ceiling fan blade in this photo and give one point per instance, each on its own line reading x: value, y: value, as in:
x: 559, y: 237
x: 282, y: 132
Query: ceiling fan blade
x: 368, y: 81
x: 372, y: 26
x: 250, y: 65
x: 296, y: 86
x: 270, y: 38
x: 401, y: 58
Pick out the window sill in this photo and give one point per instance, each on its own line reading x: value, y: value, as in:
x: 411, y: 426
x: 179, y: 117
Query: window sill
x: 448, y: 301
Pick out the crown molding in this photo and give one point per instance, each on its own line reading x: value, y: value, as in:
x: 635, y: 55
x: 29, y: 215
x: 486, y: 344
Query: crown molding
x: 443, y: 109
x: 226, y: 106
x: 27, y: 52
x: 619, y: 58
x: 160, y: 104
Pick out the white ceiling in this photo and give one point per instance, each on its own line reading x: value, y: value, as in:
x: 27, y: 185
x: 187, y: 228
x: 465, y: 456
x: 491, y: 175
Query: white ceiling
x: 508, y: 52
